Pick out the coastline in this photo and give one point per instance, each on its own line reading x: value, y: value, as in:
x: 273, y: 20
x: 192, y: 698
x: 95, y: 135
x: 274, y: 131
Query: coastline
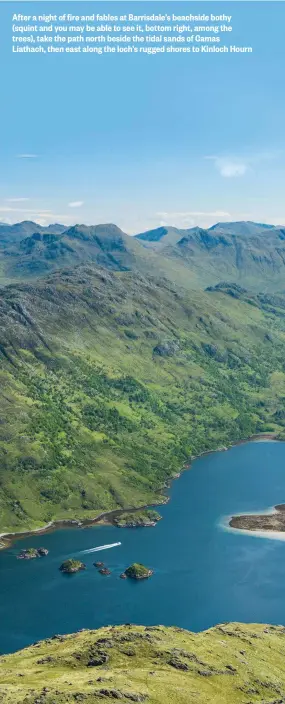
x: 267, y: 534
x: 102, y: 519
x: 7, y: 539
x: 269, y: 523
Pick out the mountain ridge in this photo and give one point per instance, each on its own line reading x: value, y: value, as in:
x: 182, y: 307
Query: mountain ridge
x: 250, y: 254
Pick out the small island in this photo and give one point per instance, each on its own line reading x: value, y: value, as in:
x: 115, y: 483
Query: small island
x: 32, y: 553
x: 70, y: 566
x: 271, y: 522
x: 98, y: 564
x: 105, y: 571
x: 138, y: 519
x: 138, y: 571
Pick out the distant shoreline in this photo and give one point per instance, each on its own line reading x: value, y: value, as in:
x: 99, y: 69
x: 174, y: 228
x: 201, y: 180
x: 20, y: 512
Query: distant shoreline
x: 7, y: 539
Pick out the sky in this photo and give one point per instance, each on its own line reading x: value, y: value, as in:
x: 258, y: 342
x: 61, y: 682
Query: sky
x: 140, y: 140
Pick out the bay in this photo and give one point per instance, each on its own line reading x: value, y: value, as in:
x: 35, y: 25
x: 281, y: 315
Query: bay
x: 203, y: 573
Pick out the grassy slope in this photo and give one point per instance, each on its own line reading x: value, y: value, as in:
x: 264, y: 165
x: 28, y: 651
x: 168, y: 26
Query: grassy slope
x: 227, y: 664
x: 111, y: 381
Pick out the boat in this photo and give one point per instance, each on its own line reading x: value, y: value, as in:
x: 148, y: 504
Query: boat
x: 102, y: 547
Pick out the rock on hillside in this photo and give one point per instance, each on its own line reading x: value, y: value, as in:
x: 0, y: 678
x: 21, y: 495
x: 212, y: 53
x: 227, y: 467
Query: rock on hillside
x: 228, y: 664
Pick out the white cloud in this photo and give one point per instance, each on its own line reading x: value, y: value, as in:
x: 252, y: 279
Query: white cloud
x: 16, y: 200
x: 27, y: 156
x: 76, y: 204
x: 230, y: 167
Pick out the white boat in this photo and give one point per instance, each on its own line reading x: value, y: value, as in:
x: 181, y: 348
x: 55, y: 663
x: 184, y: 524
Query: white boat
x: 102, y: 547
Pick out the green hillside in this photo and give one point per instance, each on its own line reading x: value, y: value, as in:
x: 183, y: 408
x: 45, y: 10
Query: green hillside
x: 112, y: 381
x: 228, y: 664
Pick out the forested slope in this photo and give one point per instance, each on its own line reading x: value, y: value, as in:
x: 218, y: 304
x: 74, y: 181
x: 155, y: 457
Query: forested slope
x: 111, y: 381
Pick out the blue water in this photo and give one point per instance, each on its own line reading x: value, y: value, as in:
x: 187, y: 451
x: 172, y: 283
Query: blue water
x: 203, y: 574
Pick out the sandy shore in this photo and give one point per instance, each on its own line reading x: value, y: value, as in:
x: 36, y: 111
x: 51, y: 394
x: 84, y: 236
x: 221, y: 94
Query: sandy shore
x: 6, y: 539
x: 265, y: 523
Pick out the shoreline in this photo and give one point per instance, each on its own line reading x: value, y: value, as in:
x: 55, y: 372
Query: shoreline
x: 269, y: 523
x: 7, y: 539
x: 102, y: 519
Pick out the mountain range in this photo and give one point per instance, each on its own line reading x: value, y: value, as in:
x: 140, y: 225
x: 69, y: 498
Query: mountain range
x: 250, y: 254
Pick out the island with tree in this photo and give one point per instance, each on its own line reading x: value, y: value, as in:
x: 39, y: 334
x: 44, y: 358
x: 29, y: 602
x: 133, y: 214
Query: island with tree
x: 138, y: 571
x: 70, y: 566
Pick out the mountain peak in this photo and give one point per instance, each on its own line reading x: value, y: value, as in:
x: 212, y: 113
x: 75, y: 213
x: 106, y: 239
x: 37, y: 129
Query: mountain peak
x: 240, y: 227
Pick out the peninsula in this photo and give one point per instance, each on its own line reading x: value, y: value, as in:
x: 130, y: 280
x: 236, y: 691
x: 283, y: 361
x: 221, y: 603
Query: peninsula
x: 271, y: 522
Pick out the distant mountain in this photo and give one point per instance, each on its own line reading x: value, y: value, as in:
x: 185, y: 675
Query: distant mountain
x: 16, y: 232
x: 161, y: 236
x: 248, y: 253
x: 242, y: 227
x: 45, y: 251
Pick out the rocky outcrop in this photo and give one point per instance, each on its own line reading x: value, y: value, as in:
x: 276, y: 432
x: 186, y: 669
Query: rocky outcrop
x: 105, y: 571
x: 32, y: 553
x: 147, y: 518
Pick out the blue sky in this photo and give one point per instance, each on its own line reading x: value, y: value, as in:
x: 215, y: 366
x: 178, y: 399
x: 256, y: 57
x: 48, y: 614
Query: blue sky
x: 142, y: 140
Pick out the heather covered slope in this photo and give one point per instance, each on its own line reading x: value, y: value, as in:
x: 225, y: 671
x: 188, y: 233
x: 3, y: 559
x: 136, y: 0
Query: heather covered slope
x: 111, y: 381
x: 229, y: 664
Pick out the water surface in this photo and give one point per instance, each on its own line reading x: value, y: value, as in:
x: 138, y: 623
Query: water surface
x: 203, y: 574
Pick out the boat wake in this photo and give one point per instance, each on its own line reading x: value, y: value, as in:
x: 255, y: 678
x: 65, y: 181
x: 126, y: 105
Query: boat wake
x: 102, y: 547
